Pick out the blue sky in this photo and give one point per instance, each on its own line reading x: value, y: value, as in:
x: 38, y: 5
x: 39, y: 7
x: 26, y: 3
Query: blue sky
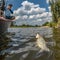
x: 17, y: 3
x: 32, y: 12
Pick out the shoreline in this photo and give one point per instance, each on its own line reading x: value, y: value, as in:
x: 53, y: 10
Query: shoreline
x: 31, y: 27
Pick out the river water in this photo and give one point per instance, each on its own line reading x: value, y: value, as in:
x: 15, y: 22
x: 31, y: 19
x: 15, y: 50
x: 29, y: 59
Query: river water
x: 21, y: 44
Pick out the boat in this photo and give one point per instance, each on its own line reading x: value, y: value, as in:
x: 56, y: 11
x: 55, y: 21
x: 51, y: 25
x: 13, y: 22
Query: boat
x: 4, y: 23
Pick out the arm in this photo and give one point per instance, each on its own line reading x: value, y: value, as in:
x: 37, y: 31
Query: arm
x: 11, y: 11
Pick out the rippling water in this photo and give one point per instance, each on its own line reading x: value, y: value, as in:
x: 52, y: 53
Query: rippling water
x: 21, y: 44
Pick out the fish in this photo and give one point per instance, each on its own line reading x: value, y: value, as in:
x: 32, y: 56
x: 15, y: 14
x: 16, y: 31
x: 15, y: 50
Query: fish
x: 41, y: 43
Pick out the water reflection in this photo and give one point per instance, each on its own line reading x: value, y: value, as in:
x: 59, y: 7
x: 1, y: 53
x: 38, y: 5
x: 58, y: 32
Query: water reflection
x: 22, y: 44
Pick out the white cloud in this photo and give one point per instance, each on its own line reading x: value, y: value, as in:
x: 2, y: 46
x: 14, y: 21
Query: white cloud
x: 47, y: 1
x: 32, y: 14
x: 29, y: 5
x: 49, y: 8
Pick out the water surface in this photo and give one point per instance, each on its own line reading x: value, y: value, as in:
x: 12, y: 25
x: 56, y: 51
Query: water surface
x: 21, y: 44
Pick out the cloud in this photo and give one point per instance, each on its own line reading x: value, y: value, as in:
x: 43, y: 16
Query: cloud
x: 32, y: 14
x: 47, y: 1
x: 49, y: 8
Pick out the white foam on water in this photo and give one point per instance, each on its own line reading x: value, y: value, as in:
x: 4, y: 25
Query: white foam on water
x: 15, y: 45
x: 13, y: 39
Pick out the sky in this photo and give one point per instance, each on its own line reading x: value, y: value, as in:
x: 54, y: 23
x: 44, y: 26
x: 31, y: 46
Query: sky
x: 17, y: 3
x: 32, y: 12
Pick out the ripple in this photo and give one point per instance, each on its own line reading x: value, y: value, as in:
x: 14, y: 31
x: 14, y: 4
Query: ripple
x: 23, y: 43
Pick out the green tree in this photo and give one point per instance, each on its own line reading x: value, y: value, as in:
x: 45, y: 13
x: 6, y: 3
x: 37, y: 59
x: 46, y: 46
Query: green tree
x: 55, y: 9
x: 45, y: 24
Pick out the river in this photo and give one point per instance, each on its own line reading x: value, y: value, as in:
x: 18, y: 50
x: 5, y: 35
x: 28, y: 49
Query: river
x: 21, y: 44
